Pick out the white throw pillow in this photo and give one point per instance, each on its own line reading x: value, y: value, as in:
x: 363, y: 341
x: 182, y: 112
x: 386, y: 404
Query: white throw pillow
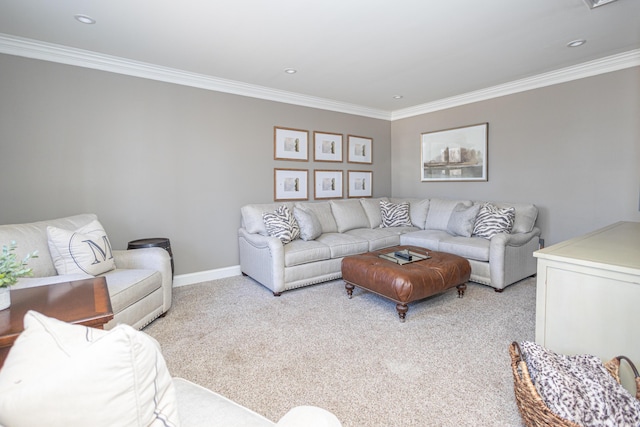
x: 85, y: 250
x: 63, y: 375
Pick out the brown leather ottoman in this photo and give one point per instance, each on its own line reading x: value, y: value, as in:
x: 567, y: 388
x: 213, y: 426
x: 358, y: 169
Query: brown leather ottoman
x: 409, y: 282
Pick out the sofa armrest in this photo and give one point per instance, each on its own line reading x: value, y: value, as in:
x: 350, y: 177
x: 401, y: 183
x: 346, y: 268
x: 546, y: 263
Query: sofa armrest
x: 308, y: 416
x: 511, y: 257
x: 262, y: 258
x: 157, y: 259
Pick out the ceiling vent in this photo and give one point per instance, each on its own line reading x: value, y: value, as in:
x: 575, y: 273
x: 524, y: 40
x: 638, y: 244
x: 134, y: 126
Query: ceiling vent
x: 596, y: 3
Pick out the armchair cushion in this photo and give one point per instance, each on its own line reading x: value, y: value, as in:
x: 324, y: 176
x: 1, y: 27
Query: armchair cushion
x: 72, y: 375
x: 85, y: 250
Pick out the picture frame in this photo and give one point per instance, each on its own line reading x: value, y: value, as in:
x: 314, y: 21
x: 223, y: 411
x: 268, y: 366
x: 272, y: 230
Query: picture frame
x: 458, y: 154
x: 327, y: 147
x: 359, y: 149
x: 290, y: 184
x: 360, y: 184
x: 328, y: 184
x: 290, y: 144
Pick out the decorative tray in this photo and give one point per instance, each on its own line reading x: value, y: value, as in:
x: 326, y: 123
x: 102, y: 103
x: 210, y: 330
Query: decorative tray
x: 404, y: 257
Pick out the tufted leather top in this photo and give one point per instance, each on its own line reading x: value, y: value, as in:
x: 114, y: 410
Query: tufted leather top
x: 408, y: 282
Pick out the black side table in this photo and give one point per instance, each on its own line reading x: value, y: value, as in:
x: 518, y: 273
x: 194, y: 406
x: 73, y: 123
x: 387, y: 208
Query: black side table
x: 154, y: 242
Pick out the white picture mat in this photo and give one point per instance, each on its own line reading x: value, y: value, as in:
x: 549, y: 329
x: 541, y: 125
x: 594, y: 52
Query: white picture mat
x: 291, y: 184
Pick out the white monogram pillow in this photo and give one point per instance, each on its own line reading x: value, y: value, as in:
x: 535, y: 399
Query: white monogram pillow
x: 85, y: 250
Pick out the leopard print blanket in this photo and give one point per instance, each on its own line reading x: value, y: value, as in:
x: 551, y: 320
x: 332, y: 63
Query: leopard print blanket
x: 579, y: 388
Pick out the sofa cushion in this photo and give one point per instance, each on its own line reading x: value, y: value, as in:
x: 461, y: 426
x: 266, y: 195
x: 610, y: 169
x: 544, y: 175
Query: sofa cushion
x: 418, y: 209
x: 378, y: 238
x: 429, y: 239
x: 492, y: 220
x: 310, y: 227
x: 395, y: 214
x: 467, y: 247
x: 126, y: 287
x: 110, y: 378
x: 281, y: 224
x: 85, y: 250
x: 526, y: 215
x: 463, y: 219
x: 341, y: 244
x: 323, y: 213
x: 440, y: 211
x: 305, y: 251
x: 33, y: 237
x: 252, y: 216
x: 349, y: 214
x: 372, y: 210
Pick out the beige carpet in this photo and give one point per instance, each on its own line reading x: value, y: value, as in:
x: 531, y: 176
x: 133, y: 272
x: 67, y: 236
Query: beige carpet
x: 448, y: 365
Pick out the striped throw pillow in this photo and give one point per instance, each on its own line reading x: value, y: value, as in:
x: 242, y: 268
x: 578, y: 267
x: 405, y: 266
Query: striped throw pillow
x: 281, y: 224
x: 492, y: 220
x: 394, y: 214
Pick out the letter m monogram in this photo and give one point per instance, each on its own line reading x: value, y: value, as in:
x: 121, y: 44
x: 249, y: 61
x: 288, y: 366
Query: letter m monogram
x: 104, y: 252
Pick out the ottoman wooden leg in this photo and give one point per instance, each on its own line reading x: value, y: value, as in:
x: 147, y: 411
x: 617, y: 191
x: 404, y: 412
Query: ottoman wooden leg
x: 402, y: 311
x: 461, y: 288
x: 349, y: 287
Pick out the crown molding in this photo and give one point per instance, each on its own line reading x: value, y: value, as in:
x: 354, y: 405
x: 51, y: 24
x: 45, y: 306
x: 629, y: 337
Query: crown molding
x: 34, y: 49
x: 587, y: 69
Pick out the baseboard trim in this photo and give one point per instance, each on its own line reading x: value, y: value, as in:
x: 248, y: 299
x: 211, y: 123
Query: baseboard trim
x: 205, y: 276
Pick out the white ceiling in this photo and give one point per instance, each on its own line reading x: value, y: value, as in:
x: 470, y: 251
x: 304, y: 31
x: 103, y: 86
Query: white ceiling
x: 350, y: 52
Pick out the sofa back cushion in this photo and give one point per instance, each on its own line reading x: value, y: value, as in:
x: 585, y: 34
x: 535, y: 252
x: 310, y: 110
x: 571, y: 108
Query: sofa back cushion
x: 372, y: 210
x: 349, y: 215
x: 252, y: 216
x: 418, y: 209
x: 526, y: 215
x: 323, y: 213
x: 33, y: 237
x: 440, y: 212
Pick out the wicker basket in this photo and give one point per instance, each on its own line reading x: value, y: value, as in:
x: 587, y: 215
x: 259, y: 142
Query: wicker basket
x: 533, y: 410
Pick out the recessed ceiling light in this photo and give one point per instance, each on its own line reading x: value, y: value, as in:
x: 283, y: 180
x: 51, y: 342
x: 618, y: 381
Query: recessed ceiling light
x: 290, y: 70
x: 597, y: 3
x: 576, y: 43
x: 397, y: 96
x: 85, y: 19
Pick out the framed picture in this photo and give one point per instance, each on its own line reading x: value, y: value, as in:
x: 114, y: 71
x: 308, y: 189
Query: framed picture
x: 290, y: 144
x: 328, y: 184
x: 458, y: 154
x: 359, y: 183
x: 359, y: 149
x: 290, y: 184
x: 327, y: 147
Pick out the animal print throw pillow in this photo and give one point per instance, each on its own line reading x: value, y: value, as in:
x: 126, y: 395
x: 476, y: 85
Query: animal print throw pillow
x: 492, y: 220
x: 394, y: 214
x: 579, y: 388
x: 281, y: 224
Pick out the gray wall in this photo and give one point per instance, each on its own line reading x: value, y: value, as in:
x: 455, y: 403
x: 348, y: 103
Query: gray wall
x: 157, y: 159
x: 150, y: 158
x: 572, y: 149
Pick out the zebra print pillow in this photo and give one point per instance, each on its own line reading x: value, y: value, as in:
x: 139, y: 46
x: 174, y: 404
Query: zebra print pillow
x: 579, y: 388
x: 394, y: 215
x: 492, y: 220
x: 281, y: 224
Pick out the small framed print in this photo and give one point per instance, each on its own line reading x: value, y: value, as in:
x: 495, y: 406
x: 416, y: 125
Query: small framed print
x: 327, y: 147
x: 290, y: 184
x: 328, y: 184
x: 359, y: 184
x: 290, y: 144
x: 359, y: 149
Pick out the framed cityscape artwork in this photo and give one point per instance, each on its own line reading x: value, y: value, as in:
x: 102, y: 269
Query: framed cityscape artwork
x: 458, y: 154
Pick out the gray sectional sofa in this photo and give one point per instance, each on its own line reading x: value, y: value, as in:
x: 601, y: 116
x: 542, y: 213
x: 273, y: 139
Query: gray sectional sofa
x: 352, y: 226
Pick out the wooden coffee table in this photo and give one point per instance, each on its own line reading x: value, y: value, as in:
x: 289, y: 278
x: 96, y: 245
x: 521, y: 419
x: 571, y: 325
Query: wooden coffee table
x: 83, y: 302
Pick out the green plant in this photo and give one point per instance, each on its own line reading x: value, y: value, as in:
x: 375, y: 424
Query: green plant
x: 10, y: 268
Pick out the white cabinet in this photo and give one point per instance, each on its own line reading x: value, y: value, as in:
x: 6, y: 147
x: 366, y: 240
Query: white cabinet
x: 588, y: 295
